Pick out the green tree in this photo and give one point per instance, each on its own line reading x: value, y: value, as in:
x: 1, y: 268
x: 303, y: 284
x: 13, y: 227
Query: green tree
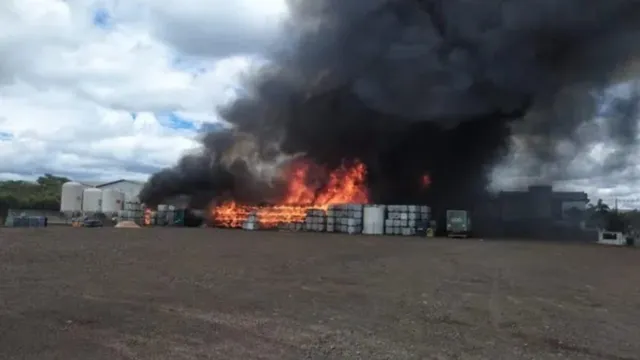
x: 597, y: 214
x: 601, y: 215
x: 616, y: 221
x: 43, y: 194
x: 634, y: 218
x: 600, y: 207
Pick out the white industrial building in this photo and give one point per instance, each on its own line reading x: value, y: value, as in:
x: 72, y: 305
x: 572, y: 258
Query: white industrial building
x: 130, y: 188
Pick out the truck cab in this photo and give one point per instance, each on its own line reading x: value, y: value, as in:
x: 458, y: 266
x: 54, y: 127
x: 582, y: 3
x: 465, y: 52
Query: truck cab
x: 458, y: 223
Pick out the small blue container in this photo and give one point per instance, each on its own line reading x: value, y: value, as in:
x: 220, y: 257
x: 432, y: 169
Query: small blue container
x: 20, y: 221
x: 36, y: 221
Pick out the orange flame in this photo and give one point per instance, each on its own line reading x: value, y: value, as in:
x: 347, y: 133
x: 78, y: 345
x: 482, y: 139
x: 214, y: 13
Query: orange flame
x: 146, y: 219
x: 426, y: 180
x: 345, y: 185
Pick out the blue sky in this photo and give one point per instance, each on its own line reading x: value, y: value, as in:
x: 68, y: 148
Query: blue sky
x: 175, y: 121
x: 102, y: 18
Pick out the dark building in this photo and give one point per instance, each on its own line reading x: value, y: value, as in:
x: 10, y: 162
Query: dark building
x: 542, y: 203
x: 536, y: 212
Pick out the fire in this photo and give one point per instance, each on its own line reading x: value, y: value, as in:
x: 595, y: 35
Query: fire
x: 345, y: 185
x: 146, y: 219
x: 426, y: 180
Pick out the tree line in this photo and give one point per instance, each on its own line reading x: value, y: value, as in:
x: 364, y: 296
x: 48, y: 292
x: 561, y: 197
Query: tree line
x: 601, y: 215
x: 43, y: 194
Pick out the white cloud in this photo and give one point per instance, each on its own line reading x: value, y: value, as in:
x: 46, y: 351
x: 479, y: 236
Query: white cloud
x: 242, y: 26
x: 109, y: 101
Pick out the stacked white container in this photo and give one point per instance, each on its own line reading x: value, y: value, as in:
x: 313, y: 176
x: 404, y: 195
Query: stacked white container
x: 132, y: 210
x: 291, y: 226
x: 345, y: 218
x: 171, y: 214
x: 404, y: 219
x: 315, y: 220
x: 132, y: 206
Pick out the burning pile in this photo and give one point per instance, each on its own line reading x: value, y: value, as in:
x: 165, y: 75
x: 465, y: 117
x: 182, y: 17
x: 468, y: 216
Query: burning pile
x: 304, y: 192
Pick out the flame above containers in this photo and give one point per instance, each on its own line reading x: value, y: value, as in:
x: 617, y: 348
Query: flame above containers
x: 71, y: 198
x: 92, y: 200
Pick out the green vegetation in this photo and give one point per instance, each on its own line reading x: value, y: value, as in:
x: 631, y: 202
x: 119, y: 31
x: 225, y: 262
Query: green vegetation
x: 603, y: 216
x: 42, y: 194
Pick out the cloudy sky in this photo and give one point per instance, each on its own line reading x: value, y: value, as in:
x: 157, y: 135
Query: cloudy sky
x: 593, y: 161
x: 104, y: 89
x: 107, y: 89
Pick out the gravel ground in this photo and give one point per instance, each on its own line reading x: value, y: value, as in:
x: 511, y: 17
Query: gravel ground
x: 174, y: 294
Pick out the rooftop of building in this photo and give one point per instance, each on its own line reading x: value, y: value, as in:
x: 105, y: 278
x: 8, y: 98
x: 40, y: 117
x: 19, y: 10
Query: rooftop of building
x: 561, y: 195
x: 103, y: 183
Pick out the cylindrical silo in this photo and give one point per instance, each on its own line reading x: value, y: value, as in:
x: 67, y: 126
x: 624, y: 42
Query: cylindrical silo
x: 112, y: 201
x: 373, y: 219
x: 71, y: 198
x: 92, y: 201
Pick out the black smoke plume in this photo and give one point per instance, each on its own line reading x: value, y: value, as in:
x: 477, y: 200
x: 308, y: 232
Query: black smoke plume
x: 413, y: 87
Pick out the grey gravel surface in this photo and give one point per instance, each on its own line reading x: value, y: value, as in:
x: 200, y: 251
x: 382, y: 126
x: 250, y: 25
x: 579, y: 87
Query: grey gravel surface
x: 92, y: 294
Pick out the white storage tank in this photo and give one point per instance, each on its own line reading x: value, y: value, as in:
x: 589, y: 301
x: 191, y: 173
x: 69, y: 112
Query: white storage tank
x: 112, y: 201
x: 373, y: 219
x: 71, y: 197
x: 92, y: 200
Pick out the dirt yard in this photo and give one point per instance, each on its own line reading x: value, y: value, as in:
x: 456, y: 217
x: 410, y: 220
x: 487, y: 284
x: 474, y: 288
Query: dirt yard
x: 211, y: 294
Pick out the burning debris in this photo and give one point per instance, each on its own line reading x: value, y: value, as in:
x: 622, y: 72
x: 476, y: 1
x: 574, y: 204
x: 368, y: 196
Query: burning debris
x: 308, y: 187
x: 408, y: 87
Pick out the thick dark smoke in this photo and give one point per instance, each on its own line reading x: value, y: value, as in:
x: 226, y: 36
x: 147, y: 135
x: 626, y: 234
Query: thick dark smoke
x: 415, y: 86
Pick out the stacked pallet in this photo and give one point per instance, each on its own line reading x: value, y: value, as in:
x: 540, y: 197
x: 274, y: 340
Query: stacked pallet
x: 291, y: 226
x: 345, y: 218
x: 315, y: 220
x: 405, y: 219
